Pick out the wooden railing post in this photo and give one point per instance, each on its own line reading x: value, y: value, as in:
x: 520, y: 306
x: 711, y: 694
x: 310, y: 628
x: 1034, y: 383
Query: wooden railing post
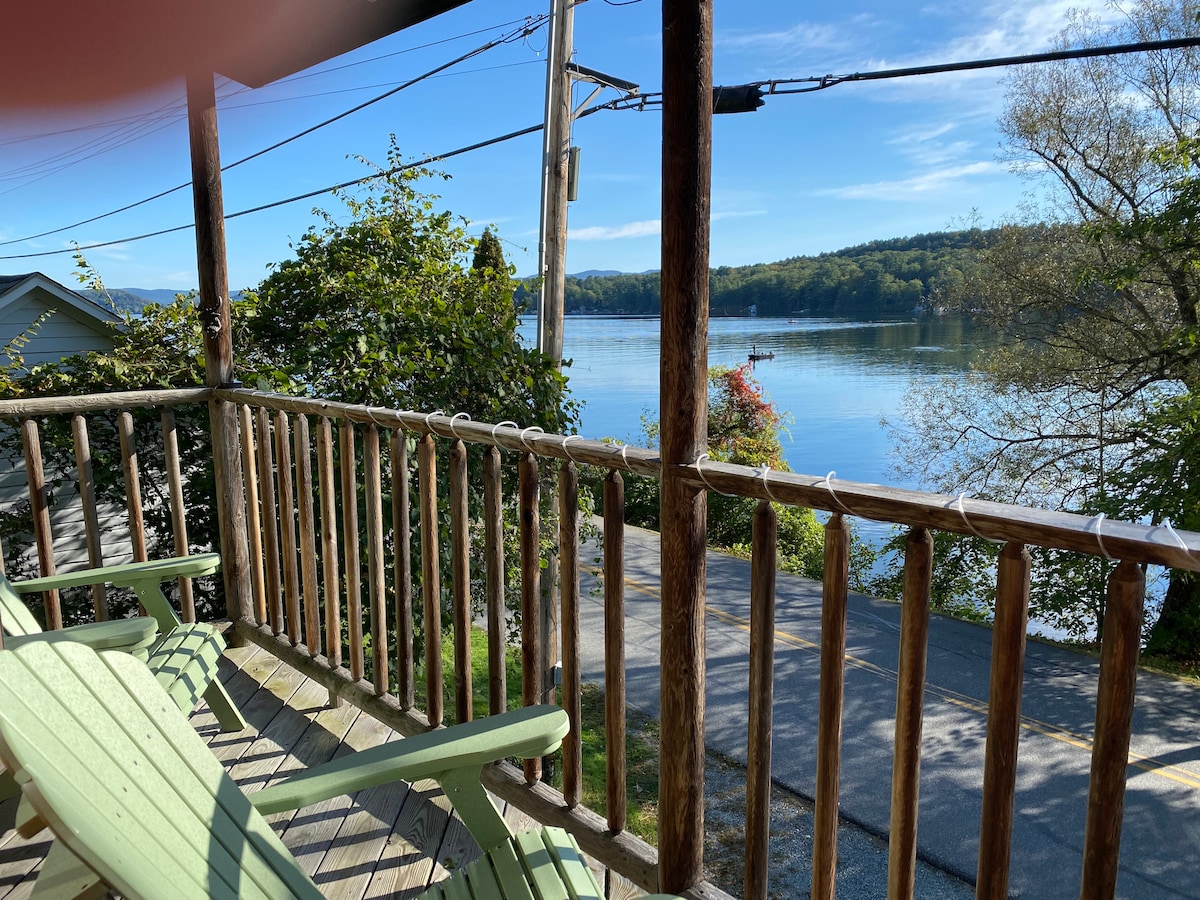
x: 35, y: 476
x: 187, y: 603
x: 531, y: 596
x: 460, y: 580
x: 431, y: 580
x: 568, y: 545
x: 497, y: 611
x: 1114, y: 727
x: 614, y: 649
x: 350, y: 549
x: 829, y: 712
x: 288, y: 548
x: 764, y: 531
x: 330, y: 570
x: 254, y: 524
x: 308, y: 534
x: 133, y: 486
x: 376, y: 568
x: 91, y: 518
x: 910, y: 692
x: 1003, y: 722
x: 270, y: 520
x: 402, y: 541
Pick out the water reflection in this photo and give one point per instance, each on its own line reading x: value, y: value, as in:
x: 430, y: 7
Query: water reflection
x: 836, y: 378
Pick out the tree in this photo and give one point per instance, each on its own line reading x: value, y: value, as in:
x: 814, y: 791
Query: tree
x: 1098, y: 304
x: 489, y: 255
x: 381, y: 309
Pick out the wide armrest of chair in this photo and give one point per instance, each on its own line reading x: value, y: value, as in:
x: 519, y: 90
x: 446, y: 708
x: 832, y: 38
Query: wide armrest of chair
x: 527, y: 732
x: 127, y: 574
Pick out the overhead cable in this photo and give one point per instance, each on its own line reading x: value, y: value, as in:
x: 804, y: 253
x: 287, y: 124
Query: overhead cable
x: 530, y: 25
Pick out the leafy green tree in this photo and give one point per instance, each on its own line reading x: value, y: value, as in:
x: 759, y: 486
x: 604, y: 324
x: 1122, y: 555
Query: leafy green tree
x: 1088, y: 407
x: 489, y: 255
x: 380, y: 309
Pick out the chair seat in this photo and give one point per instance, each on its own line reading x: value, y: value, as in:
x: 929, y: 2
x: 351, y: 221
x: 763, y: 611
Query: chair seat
x: 135, y: 635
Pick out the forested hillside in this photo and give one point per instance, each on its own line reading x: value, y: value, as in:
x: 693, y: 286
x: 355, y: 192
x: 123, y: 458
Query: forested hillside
x: 886, y: 277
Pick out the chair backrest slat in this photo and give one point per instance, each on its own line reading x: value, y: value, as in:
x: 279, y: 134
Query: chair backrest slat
x: 14, y: 614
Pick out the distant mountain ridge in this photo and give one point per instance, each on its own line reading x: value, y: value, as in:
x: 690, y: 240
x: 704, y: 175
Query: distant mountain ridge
x: 894, y: 276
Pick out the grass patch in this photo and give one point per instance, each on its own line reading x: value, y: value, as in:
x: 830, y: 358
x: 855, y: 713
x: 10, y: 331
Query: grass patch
x: 641, y: 744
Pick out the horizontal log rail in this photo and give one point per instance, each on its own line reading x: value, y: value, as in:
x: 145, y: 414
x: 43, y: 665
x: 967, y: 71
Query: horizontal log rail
x: 340, y: 588
x: 116, y: 401
x: 1002, y: 522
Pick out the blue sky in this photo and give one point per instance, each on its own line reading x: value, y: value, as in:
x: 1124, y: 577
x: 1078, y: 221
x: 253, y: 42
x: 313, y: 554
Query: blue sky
x: 803, y: 174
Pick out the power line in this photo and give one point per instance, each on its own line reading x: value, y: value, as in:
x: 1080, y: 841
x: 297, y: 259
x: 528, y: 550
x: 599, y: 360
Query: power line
x: 644, y: 101
x: 306, y: 196
x: 529, y: 25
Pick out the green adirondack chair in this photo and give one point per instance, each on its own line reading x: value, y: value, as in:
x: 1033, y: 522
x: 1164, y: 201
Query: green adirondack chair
x: 141, y: 636
x: 106, y: 761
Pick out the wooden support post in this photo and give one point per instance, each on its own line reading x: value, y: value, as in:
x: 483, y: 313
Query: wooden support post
x: 687, y: 173
x: 218, y: 341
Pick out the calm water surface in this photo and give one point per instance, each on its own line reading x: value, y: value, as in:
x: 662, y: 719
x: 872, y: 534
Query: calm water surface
x: 836, y: 378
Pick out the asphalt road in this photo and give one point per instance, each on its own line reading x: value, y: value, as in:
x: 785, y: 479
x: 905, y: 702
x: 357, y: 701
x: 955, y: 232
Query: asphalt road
x: 1160, y: 847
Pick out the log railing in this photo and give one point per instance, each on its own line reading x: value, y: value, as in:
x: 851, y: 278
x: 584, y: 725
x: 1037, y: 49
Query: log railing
x: 101, y: 417
x: 348, y: 613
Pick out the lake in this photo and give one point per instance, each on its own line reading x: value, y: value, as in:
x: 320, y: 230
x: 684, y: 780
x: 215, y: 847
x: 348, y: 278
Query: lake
x: 836, y: 378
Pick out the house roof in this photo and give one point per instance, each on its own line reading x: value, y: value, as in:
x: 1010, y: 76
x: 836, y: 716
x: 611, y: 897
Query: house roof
x: 14, y: 287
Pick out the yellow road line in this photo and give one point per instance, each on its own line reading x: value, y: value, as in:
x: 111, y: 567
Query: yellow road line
x: 1047, y: 729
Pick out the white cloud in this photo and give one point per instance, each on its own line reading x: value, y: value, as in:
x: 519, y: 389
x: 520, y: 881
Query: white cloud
x: 615, y: 232
x: 918, y: 187
x: 923, y: 144
x: 737, y: 214
x: 801, y: 37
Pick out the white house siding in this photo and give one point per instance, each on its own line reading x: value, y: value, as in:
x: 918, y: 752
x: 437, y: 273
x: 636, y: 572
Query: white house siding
x: 65, y: 333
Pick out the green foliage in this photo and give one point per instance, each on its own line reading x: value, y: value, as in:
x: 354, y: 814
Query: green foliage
x: 379, y: 308
x: 880, y: 278
x: 489, y: 256
x: 1089, y: 407
x: 382, y: 310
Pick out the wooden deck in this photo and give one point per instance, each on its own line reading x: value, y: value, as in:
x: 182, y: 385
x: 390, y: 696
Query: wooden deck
x: 390, y: 841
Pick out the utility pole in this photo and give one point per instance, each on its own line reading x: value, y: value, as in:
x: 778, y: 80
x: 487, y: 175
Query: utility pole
x: 561, y: 74
x: 552, y: 240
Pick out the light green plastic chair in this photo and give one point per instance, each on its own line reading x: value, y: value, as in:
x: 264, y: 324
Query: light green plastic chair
x: 140, y: 636
x: 106, y: 761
